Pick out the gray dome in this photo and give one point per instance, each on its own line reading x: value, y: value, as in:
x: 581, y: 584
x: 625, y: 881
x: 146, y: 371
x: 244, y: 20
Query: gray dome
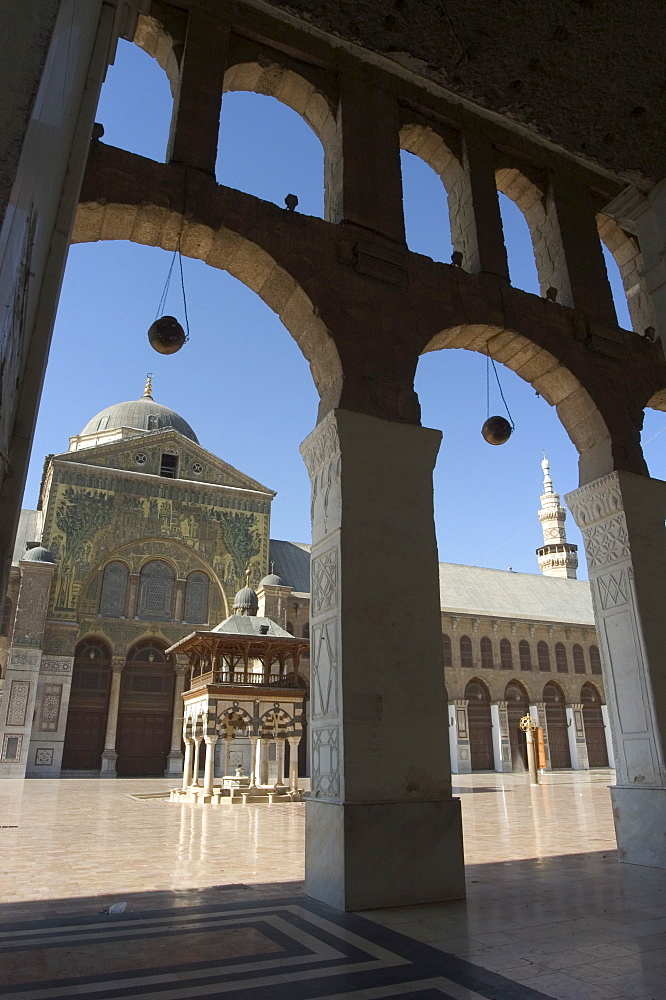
x: 137, y: 414
x: 272, y: 580
x: 246, y: 602
x: 38, y: 554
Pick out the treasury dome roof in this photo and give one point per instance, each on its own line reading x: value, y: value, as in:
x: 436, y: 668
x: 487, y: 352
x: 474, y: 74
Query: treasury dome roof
x: 142, y: 414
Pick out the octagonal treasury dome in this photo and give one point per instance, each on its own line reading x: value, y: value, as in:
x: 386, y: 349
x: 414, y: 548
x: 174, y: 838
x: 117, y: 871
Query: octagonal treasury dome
x: 142, y: 415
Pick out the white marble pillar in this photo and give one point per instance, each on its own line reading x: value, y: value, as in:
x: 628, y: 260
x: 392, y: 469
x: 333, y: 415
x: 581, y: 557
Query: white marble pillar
x: 188, y: 762
x: 109, y: 754
x: 372, y: 510
x: 538, y: 713
x: 279, y: 759
x: 255, y: 749
x: 293, y: 762
x: 576, y: 735
x: 453, y: 739
x: 227, y: 753
x: 196, y: 765
x: 262, y: 761
x: 463, y: 752
x: 500, y: 734
x: 608, y: 733
x: 175, y: 756
x: 622, y: 520
x: 209, y: 766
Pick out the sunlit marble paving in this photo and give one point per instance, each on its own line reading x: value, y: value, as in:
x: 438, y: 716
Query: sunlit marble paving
x: 215, y: 906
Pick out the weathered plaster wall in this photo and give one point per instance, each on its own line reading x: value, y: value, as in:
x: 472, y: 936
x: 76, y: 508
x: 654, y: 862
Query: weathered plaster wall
x: 588, y: 74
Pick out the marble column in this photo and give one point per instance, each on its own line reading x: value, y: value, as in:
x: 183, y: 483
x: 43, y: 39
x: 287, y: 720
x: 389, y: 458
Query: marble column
x: 500, y: 733
x: 195, y: 766
x: 262, y: 761
x: 279, y: 759
x: 209, y: 766
x: 538, y: 713
x: 461, y: 734
x: 255, y: 749
x: 453, y: 739
x: 227, y: 753
x: 109, y: 754
x: 175, y: 757
x: 372, y: 484
x: 188, y: 762
x: 293, y: 761
x: 576, y: 735
x: 622, y: 518
x: 608, y: 733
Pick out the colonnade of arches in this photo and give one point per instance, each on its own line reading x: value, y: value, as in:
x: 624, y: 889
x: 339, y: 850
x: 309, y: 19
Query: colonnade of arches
x: 481, y: 726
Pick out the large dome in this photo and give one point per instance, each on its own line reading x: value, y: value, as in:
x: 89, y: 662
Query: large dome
x: 142, y: 415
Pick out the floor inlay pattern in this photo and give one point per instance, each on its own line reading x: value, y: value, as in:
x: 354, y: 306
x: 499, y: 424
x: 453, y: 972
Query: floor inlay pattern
x: 291, y: 949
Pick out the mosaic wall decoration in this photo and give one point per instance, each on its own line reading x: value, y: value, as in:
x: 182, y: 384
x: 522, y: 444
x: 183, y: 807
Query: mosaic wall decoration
x: 11, y: 748
x: 18, y: 703
x: 50, y: 713
x: 44, y: 756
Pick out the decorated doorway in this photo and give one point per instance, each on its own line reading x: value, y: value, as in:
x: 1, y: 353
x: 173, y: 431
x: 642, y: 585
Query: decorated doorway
x: 88, y: 703
x: 556, y: 720
x: 595, y: 731
x: 145, y: 712
x: 480, y: 726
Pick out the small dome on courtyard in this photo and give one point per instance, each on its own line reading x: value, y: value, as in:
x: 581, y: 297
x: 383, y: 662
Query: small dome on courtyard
x: 246, y: 602
x: 38, y: 554
x: 143, y: 415
x: 272, y: 580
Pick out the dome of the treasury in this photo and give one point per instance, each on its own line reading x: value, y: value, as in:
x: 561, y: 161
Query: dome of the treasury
x: 142, y: 415
x: 38, y: 554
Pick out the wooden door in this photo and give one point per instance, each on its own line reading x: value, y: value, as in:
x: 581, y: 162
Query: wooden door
x: 480, y: 727
x: 595, y: 731
x: 517, y: 705
x: 556, y: 721
x: 88, y: 701
x: 145, y: 712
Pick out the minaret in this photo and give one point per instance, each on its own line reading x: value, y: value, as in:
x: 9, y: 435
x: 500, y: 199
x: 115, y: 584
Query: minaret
x: 556, y: 557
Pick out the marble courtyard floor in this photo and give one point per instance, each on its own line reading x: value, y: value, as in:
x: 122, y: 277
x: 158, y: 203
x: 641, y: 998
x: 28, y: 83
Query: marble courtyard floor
x: 215, y: 904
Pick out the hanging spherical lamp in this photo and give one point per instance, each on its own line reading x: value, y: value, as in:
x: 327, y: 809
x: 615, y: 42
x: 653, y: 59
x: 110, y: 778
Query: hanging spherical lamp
x: 166, y: 335
x: 496, y: 430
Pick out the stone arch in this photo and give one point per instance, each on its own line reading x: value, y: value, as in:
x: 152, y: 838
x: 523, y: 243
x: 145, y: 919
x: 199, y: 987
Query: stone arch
x: 232, y: 720
x: 429, y: 146
x: 557, y: 725
x: 593, y: 721
x: 85, y: 727
x: 547, y: 375
x: 153, y: 37
x: 480, y: 725
x: 529, y: 197
x: 150, y: 222
x: 276, y: 717
x: 629, y: 259
x: 517, y: 705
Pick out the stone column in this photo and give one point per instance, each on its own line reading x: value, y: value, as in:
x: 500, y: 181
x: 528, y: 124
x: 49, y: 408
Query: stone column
x: 608, y: 733
x: 622, y: 520
x: 179, y: 605
x: 209, y: 766
x: 477, y: 224
x: 279, y: 759
x: 227, y: 753
x: 132, y: 595
x: 262, y: 761
x: 109, y: 754
x: 255, y: 749
x: 293, y: 762
x: 372, y: 481
x: 195, y: 766
x: 576, y: 735
x: 501, y: 745
x: 175, y: 758
x: 453, y: 739
x: 188, y: 762
x: 461, y: 736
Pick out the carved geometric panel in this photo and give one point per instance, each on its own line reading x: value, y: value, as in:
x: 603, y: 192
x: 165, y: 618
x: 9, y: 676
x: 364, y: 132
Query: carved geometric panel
x: 324, y: 670
x: 44, y: 756
x: 50, y: 713
x: 613, y: 589
x: 18, y: 703
x: 11, y: 748
x: 325, y: 581
x: 607, y: 542
x: 326, y: 762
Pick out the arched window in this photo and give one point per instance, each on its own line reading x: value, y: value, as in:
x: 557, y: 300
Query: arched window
x: 114, y: 590
x: 290, y: 628
x: 561, y: 661
x: 486, y: 653
x: 196, y: 599
x: 7, y: 609
x: 466, y: 657
x: 506, y: 656
x: 543, y: 655
x: 446, y: 651
x: 156, y: 589
x: 525, y: 655
x: 595, y: 660
x: 578, y: 659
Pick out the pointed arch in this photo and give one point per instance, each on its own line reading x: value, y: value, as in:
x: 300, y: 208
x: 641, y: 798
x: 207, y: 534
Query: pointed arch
x: 626, y: 252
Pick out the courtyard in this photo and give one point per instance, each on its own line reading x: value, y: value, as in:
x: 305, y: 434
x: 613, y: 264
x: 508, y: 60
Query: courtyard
x: 214, y: 901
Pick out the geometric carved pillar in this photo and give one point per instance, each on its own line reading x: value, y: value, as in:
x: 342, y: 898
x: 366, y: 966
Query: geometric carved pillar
x: 109, y: 755
x: 175, y: 756
x: 188, y: 762
x: 461, y: 735
x: 371, y: 481
x: 538, y: 713
x: 622, y: 520
x: 576, y: 734
x: 500, y: 735
x: 293, y: 761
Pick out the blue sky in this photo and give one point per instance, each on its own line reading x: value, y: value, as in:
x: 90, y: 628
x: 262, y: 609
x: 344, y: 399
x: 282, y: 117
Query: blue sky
x: 241, y: 380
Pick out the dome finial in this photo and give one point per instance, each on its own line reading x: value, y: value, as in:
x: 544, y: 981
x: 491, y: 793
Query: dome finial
x: 547, y: 481
x: 148, y: 390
